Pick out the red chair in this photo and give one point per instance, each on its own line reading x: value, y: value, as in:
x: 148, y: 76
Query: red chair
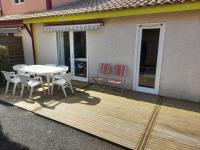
x: 119, y: 77
x: 103, y: 73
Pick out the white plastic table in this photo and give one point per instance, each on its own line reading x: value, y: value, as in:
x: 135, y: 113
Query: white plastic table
x: 42, y: 70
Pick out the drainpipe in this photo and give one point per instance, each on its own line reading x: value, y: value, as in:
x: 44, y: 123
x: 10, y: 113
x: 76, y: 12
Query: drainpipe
x: 48, y: 4
x: 30, y: 31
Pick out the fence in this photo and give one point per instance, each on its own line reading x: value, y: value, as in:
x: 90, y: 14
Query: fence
x: 15, y: 52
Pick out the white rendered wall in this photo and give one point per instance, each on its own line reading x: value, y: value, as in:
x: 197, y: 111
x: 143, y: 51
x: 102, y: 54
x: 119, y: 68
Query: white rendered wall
x: 115, y: 44
x: 180, y: 70
x: 46, y: 46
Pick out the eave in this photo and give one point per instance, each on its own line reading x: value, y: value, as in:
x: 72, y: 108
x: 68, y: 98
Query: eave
x: 10, y: 24
x: 167, y: 8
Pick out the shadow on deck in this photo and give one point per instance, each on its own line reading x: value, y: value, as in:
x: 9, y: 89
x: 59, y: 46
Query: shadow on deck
x: 134, y: 120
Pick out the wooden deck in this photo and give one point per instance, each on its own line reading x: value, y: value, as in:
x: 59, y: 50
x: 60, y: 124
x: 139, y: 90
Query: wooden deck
x: 177, y: 127
x: 136, y: 121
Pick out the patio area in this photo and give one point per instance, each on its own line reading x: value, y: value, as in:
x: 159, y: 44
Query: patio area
x: 135, y: 120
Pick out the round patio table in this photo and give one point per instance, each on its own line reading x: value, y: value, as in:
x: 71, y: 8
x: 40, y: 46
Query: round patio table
x: 42, y: 70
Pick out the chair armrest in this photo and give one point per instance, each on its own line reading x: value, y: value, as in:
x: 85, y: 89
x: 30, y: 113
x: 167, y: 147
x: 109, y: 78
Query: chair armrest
x: 38, y: 78
x: 54, y: 77
x: 58, y: 76
x: 12, y: 73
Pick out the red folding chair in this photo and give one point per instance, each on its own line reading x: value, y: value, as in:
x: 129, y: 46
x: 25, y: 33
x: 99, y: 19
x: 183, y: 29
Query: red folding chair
x: 103, y: 73
x: 119, y: 77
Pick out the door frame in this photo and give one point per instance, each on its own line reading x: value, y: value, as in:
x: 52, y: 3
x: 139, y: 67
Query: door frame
x: 138, y: 43
x: 71, y: 39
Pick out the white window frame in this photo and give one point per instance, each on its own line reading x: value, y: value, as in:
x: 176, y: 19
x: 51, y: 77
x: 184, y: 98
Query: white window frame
x: 19, y: 3
x: 140, y: 27
x: 71, y: 38
x: 72, y: 59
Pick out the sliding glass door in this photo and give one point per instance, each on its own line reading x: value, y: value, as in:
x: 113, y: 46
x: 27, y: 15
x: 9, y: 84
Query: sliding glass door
x: 79, y: 56
x: 63, y: 49
x: 72, y: 52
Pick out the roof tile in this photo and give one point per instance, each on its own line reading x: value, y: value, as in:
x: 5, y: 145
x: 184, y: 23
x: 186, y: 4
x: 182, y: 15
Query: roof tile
x: 85, y: 6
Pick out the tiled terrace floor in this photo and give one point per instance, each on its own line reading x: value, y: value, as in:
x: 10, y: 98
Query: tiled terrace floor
x: 136, y: 120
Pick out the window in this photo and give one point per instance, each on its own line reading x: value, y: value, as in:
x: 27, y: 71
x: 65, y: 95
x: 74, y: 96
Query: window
x: 17, y: 1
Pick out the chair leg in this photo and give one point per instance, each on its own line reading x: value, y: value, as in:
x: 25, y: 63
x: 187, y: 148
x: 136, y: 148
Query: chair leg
x: 122, y: 91
x: 104, y: 86
x: 52, y: 87
x: 70, y: 85
x: 109, y: 88
x: 43, y: 88
x: 63, y: 88
x: 18, y: 85
x: 97, y: 83
x: 31, y: 92
x: 22, y: 91
x: 7, y: 87
x: 123, y: 87
x: 14, y: 89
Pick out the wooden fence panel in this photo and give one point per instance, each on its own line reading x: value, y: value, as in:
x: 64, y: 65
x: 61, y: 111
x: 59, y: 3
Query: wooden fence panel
x: 16, y: 52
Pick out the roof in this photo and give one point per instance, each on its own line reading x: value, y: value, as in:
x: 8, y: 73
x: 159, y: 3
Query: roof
x: 86, y: 6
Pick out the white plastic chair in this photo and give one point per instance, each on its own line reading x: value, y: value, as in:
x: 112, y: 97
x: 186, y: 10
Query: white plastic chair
x: 11, y: 78
x: 61, y: 74
x: 18, y: 67
x: 65, y: 67
x: 62, y: 81
x: 53, y: 65
x: 30, y: 83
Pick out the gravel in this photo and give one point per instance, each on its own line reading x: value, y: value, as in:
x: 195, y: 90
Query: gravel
x: 22, y: 130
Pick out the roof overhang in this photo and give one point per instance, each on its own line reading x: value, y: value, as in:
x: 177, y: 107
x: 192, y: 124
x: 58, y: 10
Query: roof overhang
x: 11, y: 23
x: 167, y: 8
x: 10, y: 30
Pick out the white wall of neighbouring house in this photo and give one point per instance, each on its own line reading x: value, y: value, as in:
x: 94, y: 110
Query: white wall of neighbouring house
x: 115, y: 44
x: 27, y: 46
x: 46, y: 46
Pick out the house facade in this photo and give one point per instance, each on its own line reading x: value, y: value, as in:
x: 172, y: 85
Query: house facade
x: 159, y: 43
x: 12, y: 7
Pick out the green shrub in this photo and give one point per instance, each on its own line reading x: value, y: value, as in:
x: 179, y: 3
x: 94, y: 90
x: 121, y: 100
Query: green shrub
x: 4, y: 58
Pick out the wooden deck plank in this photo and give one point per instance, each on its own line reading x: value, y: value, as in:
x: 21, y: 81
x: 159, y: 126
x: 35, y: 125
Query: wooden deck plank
x: 177, y: 127
x: 114, y: 118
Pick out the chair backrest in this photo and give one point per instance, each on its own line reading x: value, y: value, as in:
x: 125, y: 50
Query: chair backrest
x: 66, y: 69
x: 24, y: 79
x: 8, y: 75
x: 53, y: 65
x: 105, y: 68
x: 19, y: 66
x: 68, y: 76
x: 120, y: 70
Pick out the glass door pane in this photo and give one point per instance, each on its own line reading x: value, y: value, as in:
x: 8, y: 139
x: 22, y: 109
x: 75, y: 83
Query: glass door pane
x: 80, y: 54
x: 67, y: 50
x: 148, y: 57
